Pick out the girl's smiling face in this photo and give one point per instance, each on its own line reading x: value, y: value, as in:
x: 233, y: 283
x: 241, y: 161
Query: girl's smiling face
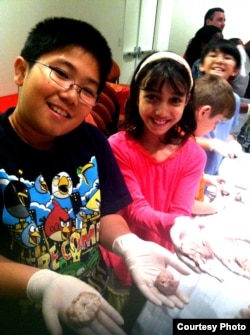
x: 160, y: 109
x: 219, y: 63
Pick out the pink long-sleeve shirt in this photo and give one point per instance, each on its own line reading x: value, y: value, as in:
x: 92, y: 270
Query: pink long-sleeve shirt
x: 161, y: 191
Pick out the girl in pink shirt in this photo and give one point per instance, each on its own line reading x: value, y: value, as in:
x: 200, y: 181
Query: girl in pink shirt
x: 162, y: 167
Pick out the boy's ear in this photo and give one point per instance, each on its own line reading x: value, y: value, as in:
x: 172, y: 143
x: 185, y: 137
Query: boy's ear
x: 20, y: 68
x: 203, y: 111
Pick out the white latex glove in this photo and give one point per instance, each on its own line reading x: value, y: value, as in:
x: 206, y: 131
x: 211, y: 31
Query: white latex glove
x: 57, y: 292
x: 145, y: 260
x: 235, y: 149
x: 185, y: 226
x: 194, y: 248
x: 231, y: 149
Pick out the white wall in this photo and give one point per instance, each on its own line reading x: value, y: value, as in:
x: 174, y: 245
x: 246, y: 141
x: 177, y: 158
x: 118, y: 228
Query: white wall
x: 188, y: 16
x: 18, y: 16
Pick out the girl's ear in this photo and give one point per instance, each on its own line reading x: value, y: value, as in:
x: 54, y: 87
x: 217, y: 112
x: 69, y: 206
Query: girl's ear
x: 20, y: 68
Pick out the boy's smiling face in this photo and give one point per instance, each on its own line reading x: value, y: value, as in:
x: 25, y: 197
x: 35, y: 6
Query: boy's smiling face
x: 219, y: 63
x: 45, y: 110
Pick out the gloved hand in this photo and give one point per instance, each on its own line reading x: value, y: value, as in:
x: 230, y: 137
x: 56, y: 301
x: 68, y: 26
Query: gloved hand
x: 183, y: 227
x: 235, y: 149
x: 145, y: 260
x: 231, y: 149
x: 57, y: 292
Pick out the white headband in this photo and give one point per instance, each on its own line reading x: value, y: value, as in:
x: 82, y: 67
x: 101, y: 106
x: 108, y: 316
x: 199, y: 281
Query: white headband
x: 171, y: 55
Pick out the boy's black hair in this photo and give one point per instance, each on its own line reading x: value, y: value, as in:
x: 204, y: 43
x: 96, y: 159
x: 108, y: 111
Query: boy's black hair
x: 225, y: 46
x: 59, y: 32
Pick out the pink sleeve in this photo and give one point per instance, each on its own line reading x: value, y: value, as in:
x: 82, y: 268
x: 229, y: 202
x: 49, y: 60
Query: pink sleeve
x: 185, y: 174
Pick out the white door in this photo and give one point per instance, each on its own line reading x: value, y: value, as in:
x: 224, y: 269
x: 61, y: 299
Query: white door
x: 146, y: 28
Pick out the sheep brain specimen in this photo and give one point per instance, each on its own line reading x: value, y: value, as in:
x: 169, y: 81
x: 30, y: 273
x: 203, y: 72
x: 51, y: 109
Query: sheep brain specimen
x: 165, y: 283
x: 83, y: 309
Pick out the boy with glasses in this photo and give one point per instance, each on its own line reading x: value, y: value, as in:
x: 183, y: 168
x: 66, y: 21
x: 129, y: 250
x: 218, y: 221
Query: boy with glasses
x: 61, y: 190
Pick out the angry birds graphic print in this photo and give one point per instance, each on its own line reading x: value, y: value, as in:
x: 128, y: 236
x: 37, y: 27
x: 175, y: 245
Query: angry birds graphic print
x: 56, y: 226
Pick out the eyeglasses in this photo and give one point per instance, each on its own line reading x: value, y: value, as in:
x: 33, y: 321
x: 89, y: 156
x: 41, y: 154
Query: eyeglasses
x: 64, y: 80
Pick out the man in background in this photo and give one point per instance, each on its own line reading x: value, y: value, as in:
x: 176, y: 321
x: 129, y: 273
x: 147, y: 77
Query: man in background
x: 215, y: 17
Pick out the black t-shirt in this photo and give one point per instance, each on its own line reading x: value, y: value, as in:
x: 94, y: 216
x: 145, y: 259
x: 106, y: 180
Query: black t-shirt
x: 51, y: 201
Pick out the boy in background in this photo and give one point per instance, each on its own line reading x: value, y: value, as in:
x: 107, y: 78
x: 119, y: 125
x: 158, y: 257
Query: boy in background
x: 221, y: 58
x: 214, y: 102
